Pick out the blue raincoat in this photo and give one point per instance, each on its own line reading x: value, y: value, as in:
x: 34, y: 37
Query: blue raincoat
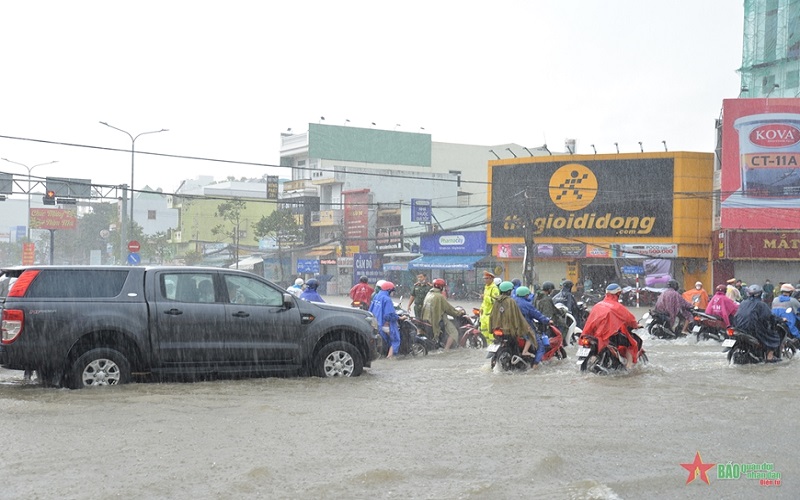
x: 530, y: 313
x: 779, y: 306
x: 382, y: 308
x: 311, y: 295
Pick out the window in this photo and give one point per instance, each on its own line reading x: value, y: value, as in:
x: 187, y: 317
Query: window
x: 244, y: 290
x: 792, y: 79
x: 77, y: 284
x: 188, y: 287
x: 151, y: 215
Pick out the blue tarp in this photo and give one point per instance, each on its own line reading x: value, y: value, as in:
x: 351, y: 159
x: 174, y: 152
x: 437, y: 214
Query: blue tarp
x: 465, y: 262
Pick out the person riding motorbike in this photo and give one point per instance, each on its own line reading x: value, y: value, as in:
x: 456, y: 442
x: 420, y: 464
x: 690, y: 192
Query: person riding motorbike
x: 297, y: 288
x: 383, y: 309
x: 697, y: 296
x: 529, y: 311
x: 310, y: 293
x: 435, y: 309
x: 722, y: 306
x: 566, y: 297
x: 611, y: 323
x: 755, y: 318
x: 545, y: 305
x: 783, y: 302
x: 361, y: 293
x: 507, y: 317
x: 671, y: 303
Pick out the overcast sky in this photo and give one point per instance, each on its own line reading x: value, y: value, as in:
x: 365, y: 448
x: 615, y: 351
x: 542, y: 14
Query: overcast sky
x: 226, y: 78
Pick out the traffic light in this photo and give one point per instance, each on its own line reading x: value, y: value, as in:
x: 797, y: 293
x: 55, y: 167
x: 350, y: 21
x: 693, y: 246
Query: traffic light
x: 49, y: 198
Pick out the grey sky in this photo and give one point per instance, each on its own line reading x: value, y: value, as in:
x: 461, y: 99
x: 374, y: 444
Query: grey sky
x: 228, y: 77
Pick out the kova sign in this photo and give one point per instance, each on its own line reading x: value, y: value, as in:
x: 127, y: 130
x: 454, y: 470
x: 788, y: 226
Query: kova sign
x: 760, y: 171
x: 605, y: 197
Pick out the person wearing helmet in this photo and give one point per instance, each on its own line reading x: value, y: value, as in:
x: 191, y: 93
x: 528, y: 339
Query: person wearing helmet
x: 361, y: 293
x: 545, y: 305
x: 310, y: 293
x: 671, y: 303
x: 612, y: 323
x: 722, y: 306
x: 435, y: 309
x: 530, y: 313
x: 385, y: 314
x: 787, y: 307
x: 378, y: 285
x: 732, y: 291
x: 418, y: 293
x: 490, y: 292
x: 507, y: 317
x: 566, y: 297
x: 297, y: 288
x: 697, y: 296
x: 755, y: 318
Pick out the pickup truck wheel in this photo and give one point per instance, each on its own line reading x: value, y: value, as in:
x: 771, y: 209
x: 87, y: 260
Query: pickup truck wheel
x: 98, y: 367
x: 338, y: 359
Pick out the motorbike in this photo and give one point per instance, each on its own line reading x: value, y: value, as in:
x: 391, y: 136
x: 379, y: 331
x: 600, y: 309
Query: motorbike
x: 411, y: 342
x: 359, y: 305
x: 611, y: 358
x: 554, y: 344
x: 743, y: 348
x: 657, y: 325
x: 469, y: 331
x: 506, y: 351
x: 572, y: 333
x: 708, y: 326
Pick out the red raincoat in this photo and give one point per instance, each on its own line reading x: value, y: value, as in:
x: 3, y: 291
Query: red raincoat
x: 609, y: 317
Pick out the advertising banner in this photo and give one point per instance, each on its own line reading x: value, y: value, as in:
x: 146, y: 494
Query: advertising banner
x: 464, y: 243
x: 760, y: 164
x: 749, y: 245
x: 356, y: 218
x: 53, y: 218
x: 666, y: 251
x: 569, y: 250
x: 420, y: 210
x: 604, y: 197
x: 367, y: 264
x: 389, y: 239
x: 308, y: 266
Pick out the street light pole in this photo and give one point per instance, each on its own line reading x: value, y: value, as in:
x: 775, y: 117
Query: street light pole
x: 29, y: 169
x: 133, y: 143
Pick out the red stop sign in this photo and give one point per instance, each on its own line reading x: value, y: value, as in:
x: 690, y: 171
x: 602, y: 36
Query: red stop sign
x: 133, y: 246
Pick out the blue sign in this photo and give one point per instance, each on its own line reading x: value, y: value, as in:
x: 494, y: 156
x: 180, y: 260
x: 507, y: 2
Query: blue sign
x: 134, y: 259
x: 467, y: 242
x: 420, y: 210
x: 308, y: 266
x: 367, y: 264
x: 632, y: 270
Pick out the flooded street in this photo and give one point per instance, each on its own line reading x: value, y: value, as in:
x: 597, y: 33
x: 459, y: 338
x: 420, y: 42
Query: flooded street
x: 441, y: 426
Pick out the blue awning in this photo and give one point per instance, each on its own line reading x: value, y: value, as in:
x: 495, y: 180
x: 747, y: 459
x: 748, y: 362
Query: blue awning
x: 396, y: 266
x: 463, y: 262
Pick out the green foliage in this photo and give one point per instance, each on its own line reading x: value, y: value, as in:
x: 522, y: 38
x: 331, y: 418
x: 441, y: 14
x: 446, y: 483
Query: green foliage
x: 280, y: 225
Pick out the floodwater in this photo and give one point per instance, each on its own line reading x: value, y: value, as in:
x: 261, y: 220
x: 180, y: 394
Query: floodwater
x: 441, y: 426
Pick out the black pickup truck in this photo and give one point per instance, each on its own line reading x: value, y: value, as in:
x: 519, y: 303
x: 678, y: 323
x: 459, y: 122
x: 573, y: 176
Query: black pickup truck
x: 83, y: 326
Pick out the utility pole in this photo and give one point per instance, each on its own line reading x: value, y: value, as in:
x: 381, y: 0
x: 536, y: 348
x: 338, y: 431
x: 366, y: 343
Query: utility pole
x: 529, y: 270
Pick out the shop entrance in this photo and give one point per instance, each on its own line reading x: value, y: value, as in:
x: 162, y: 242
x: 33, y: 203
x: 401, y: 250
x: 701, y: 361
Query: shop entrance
x: 600, y: 274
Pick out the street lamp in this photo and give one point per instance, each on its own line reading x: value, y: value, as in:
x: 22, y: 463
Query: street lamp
x: 29, y: 169
x: 133, y: 142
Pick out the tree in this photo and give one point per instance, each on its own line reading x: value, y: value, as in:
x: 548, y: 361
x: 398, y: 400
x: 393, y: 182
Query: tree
x: 231, y: 211
x: 156, y: 248
x: 280, y: 225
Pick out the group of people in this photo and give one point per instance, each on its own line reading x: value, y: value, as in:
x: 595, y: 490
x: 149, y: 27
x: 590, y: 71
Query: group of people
x: 306, y: 290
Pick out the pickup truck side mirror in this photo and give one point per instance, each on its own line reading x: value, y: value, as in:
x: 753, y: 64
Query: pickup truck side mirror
x: 288, y: 300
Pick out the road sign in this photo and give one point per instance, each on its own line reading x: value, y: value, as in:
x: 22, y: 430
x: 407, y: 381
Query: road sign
x: 134, y: 259
x: 133, y: 246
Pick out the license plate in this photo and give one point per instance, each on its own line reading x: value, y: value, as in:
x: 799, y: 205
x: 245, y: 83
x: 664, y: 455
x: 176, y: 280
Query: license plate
x: 493, y: 348
x: 696, y: 329
x: 728, y: 342
x: 583, y: 352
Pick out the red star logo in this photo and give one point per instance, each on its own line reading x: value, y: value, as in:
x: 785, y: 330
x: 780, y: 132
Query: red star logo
x: 697, y: 468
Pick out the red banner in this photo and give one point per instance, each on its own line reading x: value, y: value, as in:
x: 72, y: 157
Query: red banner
x: 28, y: 254
x: 356, y: 218
x: 780, y: 245
x: 53, y: 218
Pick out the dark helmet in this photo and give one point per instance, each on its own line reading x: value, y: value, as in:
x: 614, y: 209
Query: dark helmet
x: 516, y: 282
x: 754, y: 290
x: 439, y: 283
x: 721, y: 288
x: 567, y: 284
x: 312, y: 284
x: 363, y: 279
x: 548, y: 285
x: 673, y: 284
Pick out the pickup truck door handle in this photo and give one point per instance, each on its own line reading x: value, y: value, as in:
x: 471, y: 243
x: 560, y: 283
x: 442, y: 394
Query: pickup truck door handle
x: 241, y: 314
x: 173, y: 312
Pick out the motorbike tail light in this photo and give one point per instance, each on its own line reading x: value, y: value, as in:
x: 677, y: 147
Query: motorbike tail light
x: 583, y: 341
x: 13, y: 319
x: 697, y: 318
x: 497, y: 332
x: 476, y: 311
x: 730, y: 331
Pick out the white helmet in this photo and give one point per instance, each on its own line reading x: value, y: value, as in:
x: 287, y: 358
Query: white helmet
x: 299, y: 282
x: 497, y: 281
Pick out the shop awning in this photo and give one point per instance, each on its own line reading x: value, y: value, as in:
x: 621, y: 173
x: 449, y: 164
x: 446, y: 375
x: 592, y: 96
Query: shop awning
x: 320, y: 251
x: 463, y: 262
x: 248, y: 263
